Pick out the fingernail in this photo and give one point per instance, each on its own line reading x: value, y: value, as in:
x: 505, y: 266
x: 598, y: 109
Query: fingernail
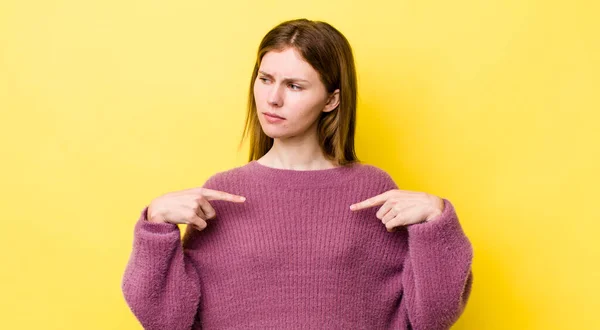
x: 243, y: 198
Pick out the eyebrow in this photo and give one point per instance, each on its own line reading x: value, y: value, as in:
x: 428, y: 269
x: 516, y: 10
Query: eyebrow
x: 286, y: 79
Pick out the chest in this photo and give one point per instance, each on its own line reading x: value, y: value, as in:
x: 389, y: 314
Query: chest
x: 320, y: 239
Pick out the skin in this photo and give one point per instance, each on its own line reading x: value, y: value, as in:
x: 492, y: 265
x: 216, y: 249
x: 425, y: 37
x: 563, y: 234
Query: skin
x: 300, y: 101
x: 403, y: 207
x: 295, y: 144
x: 291, y: 88
x: 189, y: 206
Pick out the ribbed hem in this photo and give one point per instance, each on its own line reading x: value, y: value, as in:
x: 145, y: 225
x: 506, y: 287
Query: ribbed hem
x: 288, y: 178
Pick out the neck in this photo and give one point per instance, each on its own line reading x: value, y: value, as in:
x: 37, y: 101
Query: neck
x: 296, y: 156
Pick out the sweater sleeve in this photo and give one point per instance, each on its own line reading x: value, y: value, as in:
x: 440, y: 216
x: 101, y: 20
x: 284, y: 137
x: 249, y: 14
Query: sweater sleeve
x: 437, y: 274
x: 160, y: 285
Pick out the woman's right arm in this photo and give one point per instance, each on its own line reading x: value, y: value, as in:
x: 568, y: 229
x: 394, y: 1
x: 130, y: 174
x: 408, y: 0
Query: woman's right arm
x: 161, y: 284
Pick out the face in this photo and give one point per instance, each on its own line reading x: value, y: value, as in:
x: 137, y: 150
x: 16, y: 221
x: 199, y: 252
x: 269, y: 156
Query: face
x: 288, y: 86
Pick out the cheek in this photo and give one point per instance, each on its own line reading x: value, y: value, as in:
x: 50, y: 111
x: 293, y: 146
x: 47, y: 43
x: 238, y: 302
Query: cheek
x: 306, y: 104
x: 301, y: 114
x: 257, y: 94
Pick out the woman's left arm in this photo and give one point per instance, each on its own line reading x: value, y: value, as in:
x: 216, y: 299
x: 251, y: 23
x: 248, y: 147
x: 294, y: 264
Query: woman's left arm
x: 436, y: 274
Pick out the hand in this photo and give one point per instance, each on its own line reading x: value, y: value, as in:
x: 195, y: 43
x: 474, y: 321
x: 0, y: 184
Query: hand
x: 403, y: 208
x: 189, y: 206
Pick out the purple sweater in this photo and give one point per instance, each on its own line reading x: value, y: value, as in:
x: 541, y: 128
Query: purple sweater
x: 294, y: 256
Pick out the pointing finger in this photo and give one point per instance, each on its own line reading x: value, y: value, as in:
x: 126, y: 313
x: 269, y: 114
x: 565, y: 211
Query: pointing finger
x: 370, y: 202
x: 212, y: 194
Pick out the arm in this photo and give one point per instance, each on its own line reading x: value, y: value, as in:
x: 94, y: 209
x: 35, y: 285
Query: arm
x: 160, y: 285
x: 437, y: 275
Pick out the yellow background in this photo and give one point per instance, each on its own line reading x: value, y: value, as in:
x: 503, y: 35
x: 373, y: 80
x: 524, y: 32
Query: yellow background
x: 491, y: 104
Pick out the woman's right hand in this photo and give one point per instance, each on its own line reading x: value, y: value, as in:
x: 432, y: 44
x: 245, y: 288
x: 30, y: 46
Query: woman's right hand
x: 188, y: 206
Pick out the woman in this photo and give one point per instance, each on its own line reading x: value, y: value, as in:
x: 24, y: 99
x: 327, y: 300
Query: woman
x: 303, y: 235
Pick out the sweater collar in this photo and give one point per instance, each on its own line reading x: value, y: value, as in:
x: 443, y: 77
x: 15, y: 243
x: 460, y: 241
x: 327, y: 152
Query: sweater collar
x: 301, y: 178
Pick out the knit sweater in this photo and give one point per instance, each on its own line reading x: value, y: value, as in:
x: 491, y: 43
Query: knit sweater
x: 294, y: 256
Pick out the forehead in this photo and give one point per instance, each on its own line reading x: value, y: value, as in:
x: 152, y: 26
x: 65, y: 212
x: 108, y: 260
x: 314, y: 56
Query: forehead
x: 287, y: 63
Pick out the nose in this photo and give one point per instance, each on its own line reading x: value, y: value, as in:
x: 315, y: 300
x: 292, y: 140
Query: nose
x: 275, y: 98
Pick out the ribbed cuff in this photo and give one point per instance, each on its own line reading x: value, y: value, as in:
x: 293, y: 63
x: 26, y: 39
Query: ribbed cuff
x: 443, y: 233
x: 154, y: 239
x: 154, y: 227
x: 154, y: 243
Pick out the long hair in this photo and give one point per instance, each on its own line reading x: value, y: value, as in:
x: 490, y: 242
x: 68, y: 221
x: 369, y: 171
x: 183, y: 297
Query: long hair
x: 330, y: 54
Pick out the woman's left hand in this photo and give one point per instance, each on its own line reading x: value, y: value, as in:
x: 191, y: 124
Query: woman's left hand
x: 403, y: 208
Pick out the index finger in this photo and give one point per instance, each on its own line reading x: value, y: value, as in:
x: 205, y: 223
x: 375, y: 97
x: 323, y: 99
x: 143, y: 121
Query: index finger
x: 212, y: 194
x: 369, y: 202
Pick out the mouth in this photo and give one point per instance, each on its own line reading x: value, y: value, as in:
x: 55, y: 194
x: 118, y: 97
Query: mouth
x: 272, y: 115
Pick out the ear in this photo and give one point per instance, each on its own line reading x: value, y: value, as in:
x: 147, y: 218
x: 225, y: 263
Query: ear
x: 333, y: 101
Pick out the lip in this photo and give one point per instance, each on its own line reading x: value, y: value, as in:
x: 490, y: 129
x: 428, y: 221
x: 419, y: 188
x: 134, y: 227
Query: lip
x: 272, y: 119
x: 272, y: 115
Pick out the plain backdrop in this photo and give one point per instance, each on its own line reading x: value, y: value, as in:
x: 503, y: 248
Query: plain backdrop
x: 491, y: 104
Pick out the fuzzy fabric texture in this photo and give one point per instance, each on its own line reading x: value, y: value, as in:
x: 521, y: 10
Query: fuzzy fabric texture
x: 294, y: 256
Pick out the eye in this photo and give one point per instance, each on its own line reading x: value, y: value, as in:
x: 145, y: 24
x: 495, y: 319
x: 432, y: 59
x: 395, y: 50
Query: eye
x: 295, y: 87
x: 263, y: 79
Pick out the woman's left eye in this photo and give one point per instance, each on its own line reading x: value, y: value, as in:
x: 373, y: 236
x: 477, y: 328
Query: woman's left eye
x: 295, y: 87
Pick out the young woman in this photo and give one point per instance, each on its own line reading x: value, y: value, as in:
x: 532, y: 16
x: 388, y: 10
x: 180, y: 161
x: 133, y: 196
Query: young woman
x: 303, y: 236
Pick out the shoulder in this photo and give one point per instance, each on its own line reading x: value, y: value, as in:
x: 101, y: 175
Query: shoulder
x: 362, y: 174
x: 226, y: 177
x: 374, y: 170
x: 377, y: 176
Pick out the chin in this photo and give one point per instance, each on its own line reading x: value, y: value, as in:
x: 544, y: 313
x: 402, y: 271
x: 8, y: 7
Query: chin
x: 274, y: 135
x: 276, y: 132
